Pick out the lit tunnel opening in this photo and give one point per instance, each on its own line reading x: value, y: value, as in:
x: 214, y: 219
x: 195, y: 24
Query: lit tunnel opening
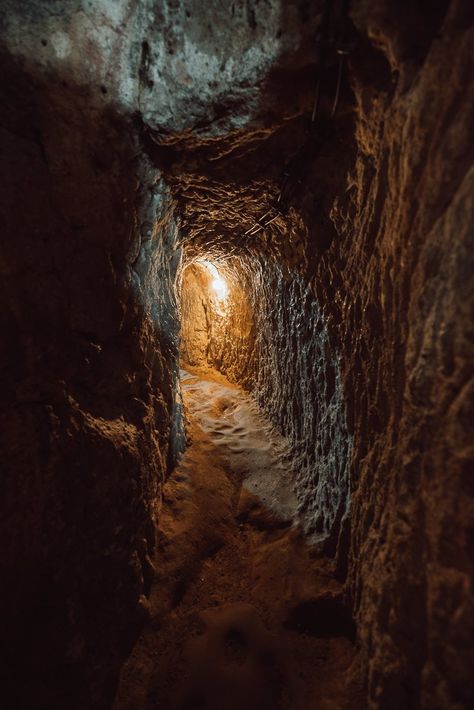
x: 215, y: 308
x: 256, y: 322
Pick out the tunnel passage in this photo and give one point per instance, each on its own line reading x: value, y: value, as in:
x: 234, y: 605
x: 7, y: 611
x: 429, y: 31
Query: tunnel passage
x: 144, y: 135
x: 259, y: 325
x: 215, y: 315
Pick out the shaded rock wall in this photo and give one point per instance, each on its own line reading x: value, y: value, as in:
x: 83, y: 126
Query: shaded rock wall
x: 298, y: 383
x: 89, y: 424
x: 406, y: 323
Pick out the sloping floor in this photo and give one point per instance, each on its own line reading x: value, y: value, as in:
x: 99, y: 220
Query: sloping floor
x: 242, y: 613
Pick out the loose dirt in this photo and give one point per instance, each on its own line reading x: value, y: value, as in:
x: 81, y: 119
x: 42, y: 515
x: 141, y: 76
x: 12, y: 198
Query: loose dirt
x: 242, y: 613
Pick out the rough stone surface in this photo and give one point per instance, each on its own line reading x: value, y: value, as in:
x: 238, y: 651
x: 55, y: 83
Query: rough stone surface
x: 289, y: 365
x: 410, y: 375
x: 138, y: 129
x: 389, y: 260
x: 89, y: 420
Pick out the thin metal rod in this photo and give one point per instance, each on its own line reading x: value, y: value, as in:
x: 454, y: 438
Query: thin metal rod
x: 257, y: 222
x: 256, y: 229
x: 271, y: 220
x: 266, y: 214
x: 250, y: 230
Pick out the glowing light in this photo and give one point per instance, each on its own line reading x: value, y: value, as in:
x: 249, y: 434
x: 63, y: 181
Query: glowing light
x: 218, y: 283
x: 220, y: 287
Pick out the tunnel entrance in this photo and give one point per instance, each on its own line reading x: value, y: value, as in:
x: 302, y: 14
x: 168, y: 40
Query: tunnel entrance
x: 255, y: 322
x: 215, y: 315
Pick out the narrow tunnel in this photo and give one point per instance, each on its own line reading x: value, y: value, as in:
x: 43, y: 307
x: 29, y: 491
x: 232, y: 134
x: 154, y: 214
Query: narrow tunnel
x: 216, y: 313
x: 264, y: 330
x: 237, y: 355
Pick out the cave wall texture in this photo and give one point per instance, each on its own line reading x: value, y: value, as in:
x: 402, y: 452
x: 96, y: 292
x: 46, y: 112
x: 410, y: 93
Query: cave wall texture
x: 269, y: 334
x: 410, y: 378
x: 139, y: 136
x: 89, y: 425
x: 89, y: 416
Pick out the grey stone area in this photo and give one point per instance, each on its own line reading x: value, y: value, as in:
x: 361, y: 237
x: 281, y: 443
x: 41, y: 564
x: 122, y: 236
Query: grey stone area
x: 184, y: 66
x: 299, y: 382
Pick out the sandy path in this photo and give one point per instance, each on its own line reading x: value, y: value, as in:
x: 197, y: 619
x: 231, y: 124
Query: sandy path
x: 235, y: 424
x: 242, y: 614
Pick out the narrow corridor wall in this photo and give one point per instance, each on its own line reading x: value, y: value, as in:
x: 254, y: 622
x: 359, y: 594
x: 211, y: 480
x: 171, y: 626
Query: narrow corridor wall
x: 298, y: 382
x: 89, y: 421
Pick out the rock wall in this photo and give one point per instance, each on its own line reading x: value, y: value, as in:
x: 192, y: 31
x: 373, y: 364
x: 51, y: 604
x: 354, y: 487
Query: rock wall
x: 89, y: 422
x: 379, y: 233
x: 404, y: 308
x: 196, y: 313
x: 218, y: 331
x: 298, y: 383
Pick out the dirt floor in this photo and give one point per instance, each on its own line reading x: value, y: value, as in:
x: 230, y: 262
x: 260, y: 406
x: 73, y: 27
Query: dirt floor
x: 242, y: 613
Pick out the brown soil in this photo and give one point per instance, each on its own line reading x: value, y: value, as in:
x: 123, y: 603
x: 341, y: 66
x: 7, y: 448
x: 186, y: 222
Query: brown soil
x: 242, y: 612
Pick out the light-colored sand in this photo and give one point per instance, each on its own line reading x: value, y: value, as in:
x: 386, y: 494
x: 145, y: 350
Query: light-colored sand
x: 234, y: 423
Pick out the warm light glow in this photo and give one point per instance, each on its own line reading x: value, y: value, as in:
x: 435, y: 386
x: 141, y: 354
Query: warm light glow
x: 218, y: 283
x: 220, y: 287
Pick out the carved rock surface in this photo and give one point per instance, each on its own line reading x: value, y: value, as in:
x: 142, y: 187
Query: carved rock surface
x: 139, y: 137
x: 90, y: 423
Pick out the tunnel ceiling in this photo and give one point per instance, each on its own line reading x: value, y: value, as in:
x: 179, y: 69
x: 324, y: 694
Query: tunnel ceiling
x: 241, y: 148
x: 223, y: 93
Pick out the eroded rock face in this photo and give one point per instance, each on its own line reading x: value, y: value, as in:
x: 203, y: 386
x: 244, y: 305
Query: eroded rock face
x: 269, y: 334
x: 89, y: 424
x: 140, y: 129
x: 299, y: 383
x: 380, y: 235
x: 410, y: 371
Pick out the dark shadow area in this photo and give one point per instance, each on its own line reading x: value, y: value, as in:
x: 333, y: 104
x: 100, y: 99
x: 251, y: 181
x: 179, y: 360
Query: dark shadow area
x: 326, y: 617
x: 85, y: 443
